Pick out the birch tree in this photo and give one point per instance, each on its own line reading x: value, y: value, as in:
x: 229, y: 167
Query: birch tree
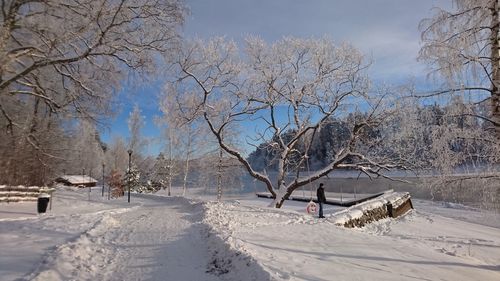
x: 116, y: 156
x: 136, y: 122
x: 293, y: 84
x: 449, y: 143
x: 192, y: 143
x: 193, y: 139
x: 87, y: 148
x: 462, y: 45
x: 170, y: 124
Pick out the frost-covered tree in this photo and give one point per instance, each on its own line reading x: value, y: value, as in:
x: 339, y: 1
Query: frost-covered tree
x: 116, y: 154
x: 293, y: 84
x: 132, y: 180
x: 216, y: 173
x: 136, y: 144
x: 22, y: 159
x: 173, y: 126
x: 87, y: 148
x: 170, y: 159
x: 80, y: 65
x: 64, y: 59
x: 136, y: 122
x: 449, y: 143
x: 462, y: 45
x: 159, y: 172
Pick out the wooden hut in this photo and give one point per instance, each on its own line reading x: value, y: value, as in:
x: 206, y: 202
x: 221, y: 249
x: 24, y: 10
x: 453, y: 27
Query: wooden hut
x: 77, y: 180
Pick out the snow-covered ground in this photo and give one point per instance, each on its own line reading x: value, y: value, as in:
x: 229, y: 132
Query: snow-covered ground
x: 173, y: 238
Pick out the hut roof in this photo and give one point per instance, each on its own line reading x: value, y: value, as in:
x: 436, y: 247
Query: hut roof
x: 77, y: 179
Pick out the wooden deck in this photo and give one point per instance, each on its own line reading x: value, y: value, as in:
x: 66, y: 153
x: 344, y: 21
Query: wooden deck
x: 336, y: 202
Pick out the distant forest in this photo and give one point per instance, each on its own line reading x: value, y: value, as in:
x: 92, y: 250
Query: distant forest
x: 428, y: 123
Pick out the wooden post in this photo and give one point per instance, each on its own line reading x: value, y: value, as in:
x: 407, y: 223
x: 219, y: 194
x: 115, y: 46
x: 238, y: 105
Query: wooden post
x: 390, y: 210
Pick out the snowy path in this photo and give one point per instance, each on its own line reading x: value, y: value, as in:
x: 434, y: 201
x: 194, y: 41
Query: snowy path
x: 173, y: 238
x: 155, y: 241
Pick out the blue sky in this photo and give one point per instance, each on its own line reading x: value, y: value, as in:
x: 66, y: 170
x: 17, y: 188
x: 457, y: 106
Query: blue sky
x: 385, y: 30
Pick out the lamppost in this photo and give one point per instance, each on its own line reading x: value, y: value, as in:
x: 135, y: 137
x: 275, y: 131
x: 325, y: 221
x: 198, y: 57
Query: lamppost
x: 83, y: 181
x: 89, y: 179
x: 129, y: 172
x: 103, y: 179
x: 109, y: 191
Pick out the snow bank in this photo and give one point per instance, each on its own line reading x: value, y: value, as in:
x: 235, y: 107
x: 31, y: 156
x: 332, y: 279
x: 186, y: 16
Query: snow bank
x: 291, y: 245
x: 86, y: 251
x: 230, y: 259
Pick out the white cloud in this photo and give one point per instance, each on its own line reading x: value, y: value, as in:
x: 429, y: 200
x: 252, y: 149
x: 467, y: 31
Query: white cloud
x: 387, y: 30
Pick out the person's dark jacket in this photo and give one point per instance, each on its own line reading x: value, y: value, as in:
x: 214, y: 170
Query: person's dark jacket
x: 320, y: 193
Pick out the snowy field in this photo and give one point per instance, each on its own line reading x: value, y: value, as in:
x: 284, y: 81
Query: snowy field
x: 174, y: 238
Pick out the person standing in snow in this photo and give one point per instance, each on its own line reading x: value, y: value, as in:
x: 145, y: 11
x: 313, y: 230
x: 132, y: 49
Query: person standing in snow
x: 320, y: 193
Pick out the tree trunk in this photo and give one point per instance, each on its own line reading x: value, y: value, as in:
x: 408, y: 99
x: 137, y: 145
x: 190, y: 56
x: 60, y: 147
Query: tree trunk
x: 219, y: 176
x: 170, y: 162
x: 14, y: 179
x: 282, y: 200
x: 186, y: 164
x: 495, y: 64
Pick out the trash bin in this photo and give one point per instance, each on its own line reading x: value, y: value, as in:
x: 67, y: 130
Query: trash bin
x: 43, y: 202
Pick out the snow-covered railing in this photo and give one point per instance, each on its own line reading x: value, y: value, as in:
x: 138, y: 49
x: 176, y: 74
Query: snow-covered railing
x: 20, y: 193
x: 392, y: 204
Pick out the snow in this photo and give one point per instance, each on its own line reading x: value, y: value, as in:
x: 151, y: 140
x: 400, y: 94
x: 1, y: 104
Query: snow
x: 421, y: 245
x: 20, y: 187
x: 357, y: 211
x: 156, y: 237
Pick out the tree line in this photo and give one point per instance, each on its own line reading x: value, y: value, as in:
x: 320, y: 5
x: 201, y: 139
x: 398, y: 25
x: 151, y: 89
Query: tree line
x: 436, y: 130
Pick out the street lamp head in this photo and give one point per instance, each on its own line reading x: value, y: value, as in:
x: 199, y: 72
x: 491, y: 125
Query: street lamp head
x: 129, y: 152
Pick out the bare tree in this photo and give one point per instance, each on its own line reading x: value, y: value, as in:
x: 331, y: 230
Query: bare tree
x: 81, y: 64
x: 70, y: 57
x: 218, y: 172
x: 116, y: 155
x: 170, y: 126
x: 192, y: 141
x: 135, y: 124
x: 463, y: 47
x: 21, y: 159
x: 293, y: 85
x: 448, y: 144
x: 87, y: 149
x: 171, y: 123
